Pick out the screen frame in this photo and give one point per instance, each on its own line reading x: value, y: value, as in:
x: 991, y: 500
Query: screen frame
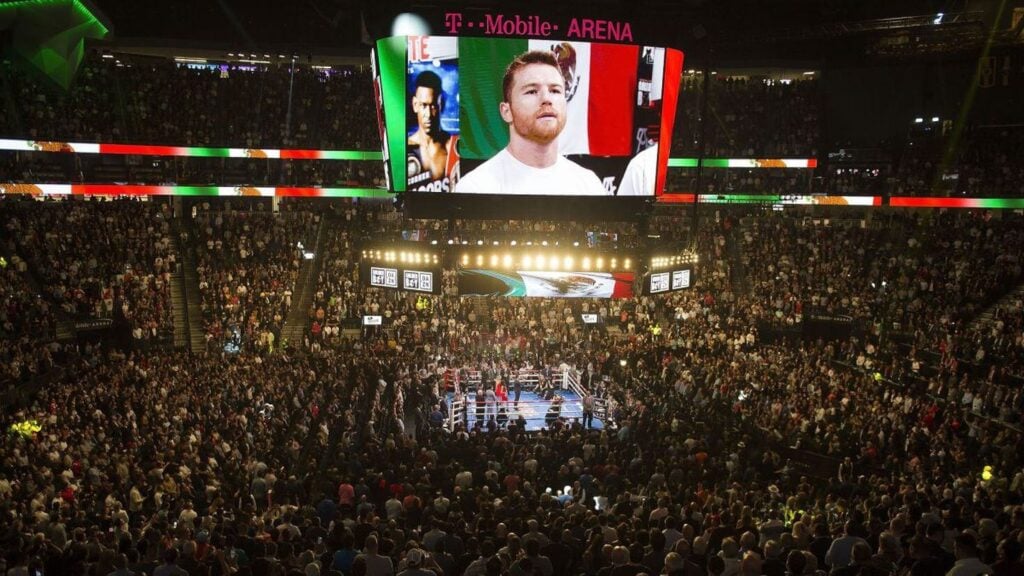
x: 391, y: 61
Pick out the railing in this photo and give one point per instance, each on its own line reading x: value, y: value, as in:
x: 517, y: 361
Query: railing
x: 528, y: 378
x: 571, y: 381
x: 456, y: 414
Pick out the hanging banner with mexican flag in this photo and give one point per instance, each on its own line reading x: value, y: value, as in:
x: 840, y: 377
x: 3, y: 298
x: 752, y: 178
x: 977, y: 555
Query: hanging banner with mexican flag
x: 601, y: 87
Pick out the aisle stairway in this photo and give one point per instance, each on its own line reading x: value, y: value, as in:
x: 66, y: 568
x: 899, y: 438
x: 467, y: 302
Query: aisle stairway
x: 734, y: 248
x: 180, y: 314
x: 1012, y: 299
x: 482, y: 308
x: 305, y: 288
x: 192, y: 298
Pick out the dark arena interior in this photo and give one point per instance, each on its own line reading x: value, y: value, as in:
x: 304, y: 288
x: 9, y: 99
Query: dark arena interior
x: 322, y: 288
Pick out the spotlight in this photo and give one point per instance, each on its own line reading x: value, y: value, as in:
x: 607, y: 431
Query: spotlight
x: 409, y: 24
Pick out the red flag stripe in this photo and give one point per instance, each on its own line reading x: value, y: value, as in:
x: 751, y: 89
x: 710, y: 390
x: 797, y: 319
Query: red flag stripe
x: 612, y: 96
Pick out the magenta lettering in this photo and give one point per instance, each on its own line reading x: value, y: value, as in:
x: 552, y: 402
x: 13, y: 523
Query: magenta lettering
x: 588, y: 29
x: 536, y: 27
x: 453, y: 21
x: 620, y: 31
x: 574, y: 29
x: 498, y: 24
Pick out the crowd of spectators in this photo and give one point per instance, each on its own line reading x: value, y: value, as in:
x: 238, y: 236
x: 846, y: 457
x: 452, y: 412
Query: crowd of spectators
x: 27, y: 324
x: 43, y: 168
x: 975, y: 162
x: 730, y: 444
x: 126, y: 101
x: 99, y: 260
x: 247, y: 264
x: 918, y: 271
x: 742, y: 181
x: 749, y: 117
x: 724, y: 452
x: 332, y: 109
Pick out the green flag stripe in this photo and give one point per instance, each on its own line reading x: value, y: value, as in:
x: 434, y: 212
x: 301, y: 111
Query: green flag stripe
x: 482, y: 63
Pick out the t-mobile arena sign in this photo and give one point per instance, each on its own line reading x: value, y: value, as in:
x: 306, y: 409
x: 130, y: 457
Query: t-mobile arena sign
x: 537, y: 27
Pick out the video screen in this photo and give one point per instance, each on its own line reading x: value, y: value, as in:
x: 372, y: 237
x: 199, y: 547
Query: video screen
x: 668, y: 281
x: 401, y: 277
x: 525, y: 117
x: 545, y: 284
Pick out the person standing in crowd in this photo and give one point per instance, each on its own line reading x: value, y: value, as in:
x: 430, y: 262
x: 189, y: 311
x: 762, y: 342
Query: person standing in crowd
x: 588, y: 410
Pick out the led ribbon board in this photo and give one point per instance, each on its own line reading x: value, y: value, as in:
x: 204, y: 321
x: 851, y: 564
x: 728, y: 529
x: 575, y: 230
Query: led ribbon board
x: 182, y: 151
x: 42, y: 190
x: 14, y: 145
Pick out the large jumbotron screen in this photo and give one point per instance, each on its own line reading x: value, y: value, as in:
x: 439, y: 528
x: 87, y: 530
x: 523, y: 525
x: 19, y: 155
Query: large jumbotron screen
x: 566, y: 119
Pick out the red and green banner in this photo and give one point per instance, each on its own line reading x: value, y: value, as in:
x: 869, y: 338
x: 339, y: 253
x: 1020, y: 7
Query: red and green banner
x: 182, y: 151
x: 13, y: 145
x: 42, y: 190
x: 782, y: 199
x: 744, y: 163
x: 931, y: 202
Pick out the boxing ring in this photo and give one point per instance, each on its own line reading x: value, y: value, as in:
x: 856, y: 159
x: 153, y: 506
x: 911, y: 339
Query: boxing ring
x: 532, y: 406
x: 537, y: 393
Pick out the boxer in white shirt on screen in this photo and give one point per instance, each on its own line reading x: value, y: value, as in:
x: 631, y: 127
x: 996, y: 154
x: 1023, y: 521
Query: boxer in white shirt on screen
x: 641, y: 173
x: 534, y: 107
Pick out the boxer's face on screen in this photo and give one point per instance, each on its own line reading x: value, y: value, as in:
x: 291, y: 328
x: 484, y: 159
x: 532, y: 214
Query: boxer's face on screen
x: 536, y: 106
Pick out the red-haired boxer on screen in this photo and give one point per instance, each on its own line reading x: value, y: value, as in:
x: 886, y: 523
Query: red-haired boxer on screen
x: 534, y: 107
